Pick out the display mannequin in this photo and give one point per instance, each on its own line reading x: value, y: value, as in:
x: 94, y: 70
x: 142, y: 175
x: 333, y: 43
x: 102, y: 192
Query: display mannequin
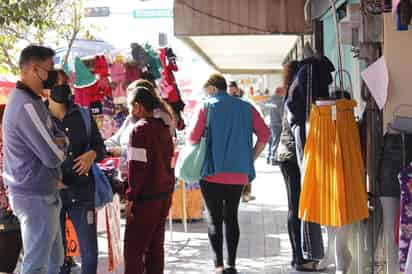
x: 329, y: 258
x: 337, y: 252
x: 343, y: 256
x: 390, y: 206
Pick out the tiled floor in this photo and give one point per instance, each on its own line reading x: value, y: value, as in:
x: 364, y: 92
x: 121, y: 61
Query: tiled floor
x: 264, y: 245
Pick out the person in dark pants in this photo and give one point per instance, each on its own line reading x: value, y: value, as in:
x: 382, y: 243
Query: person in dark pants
x: 151, y: 183
x: 79, y: 191
x: 10, y: 235
x: 222, y: 202
x: 287, y: 157
x: 229, y: 163
x: 275, y: 106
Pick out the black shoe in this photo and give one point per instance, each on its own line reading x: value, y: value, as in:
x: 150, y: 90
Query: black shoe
x: 72, y: 263
x: 66, y: 269
x: 308, y: 266
x: 230, y: 270
x: 275, y: 162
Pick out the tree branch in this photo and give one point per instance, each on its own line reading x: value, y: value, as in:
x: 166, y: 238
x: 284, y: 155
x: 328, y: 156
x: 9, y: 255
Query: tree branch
x: 9, y: 61
x: 15, y: 33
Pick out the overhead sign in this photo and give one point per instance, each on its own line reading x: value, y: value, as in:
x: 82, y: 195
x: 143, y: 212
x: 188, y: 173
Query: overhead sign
x: 153, y: 13
x: 97, y: 12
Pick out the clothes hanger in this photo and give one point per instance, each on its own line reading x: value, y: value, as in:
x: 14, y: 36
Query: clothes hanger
x: 338, y: 93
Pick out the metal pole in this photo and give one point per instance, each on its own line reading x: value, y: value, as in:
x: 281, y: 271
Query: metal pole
x: 338, y: 38
x: 338, y: 43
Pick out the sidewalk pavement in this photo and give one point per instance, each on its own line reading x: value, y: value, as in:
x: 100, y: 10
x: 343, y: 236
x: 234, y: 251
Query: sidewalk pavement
x: 264, y: 245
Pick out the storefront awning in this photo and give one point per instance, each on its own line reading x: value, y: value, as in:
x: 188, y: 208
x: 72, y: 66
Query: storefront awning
x: 250, y: 54
x: 242, y: 36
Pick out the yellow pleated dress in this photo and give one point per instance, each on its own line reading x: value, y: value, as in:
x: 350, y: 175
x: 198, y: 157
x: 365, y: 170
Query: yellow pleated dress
x: 334, y: 184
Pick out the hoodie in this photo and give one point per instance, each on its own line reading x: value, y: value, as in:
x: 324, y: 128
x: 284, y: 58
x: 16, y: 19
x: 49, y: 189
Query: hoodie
x: 314, y: 76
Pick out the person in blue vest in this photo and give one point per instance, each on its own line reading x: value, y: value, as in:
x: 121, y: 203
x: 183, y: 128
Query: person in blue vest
x: 229, y: 162
x: 78, y: 195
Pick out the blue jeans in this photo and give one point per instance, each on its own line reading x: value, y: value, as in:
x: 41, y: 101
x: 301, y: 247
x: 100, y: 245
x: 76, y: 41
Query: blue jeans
x: 83, y: 217
x: 40, y: 229
x: 274, y: 141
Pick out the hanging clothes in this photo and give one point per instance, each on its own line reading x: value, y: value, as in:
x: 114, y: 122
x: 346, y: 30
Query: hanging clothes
x: 85, y: 96
x: 100, y: 66
x: 154, y: 62
x: 104, y: 89
x: 119, y: 94
x: 139, y: 55
x: 391, y: 163
x: 334, y: 183
x: 120, y: 117
x: 169, y: 89
x: 405, y: 228
x: 133, y: 73
x: 118, y: 72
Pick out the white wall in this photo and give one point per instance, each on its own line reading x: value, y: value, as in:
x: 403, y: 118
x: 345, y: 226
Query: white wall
x: 398, y: 56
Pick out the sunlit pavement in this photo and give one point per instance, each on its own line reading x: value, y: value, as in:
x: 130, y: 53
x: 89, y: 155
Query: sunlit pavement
x: 264, y: 245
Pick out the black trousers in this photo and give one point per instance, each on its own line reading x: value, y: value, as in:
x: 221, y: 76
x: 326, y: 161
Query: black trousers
x: 291, y: 175
x: 312, y: 236
x: 10, y: 247
x: 222, y: 203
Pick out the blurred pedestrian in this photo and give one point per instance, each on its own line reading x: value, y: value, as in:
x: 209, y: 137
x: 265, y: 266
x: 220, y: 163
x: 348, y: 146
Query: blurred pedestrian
x: 275, y: 105
x: 151, y: 183
x: 234, y: 89
x: 229, y: 163
x: 34, y: 149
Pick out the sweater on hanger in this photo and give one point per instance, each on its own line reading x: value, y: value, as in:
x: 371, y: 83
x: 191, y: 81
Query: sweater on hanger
x: 314, y: 76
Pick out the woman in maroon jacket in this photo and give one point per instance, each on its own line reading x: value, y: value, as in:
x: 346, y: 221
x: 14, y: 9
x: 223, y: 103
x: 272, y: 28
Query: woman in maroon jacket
x: 151, y: 184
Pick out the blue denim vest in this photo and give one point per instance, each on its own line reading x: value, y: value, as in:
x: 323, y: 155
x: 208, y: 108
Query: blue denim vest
x: 230, y: 137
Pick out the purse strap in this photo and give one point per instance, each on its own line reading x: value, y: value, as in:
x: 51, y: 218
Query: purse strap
x: 206, y: 130
x: 87, y: 119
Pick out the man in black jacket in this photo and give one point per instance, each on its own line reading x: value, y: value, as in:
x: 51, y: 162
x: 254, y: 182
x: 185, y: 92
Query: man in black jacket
x: 79, y: 191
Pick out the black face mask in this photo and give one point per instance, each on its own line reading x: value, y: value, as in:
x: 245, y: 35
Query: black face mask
x: 61, y: 94
x: 51, y: 79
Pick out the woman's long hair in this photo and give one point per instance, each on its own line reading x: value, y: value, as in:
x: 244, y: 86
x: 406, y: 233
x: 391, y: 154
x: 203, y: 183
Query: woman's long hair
x: 143, y: 92
x: 289, y: 73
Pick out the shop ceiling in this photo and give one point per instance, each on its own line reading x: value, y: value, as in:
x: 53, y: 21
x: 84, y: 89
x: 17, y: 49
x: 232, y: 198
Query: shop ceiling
x: 241, y: 36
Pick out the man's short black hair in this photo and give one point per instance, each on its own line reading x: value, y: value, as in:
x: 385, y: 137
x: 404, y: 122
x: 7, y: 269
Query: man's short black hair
x: 217, y: 81
x: 233, y: 84
x: 35, y: 53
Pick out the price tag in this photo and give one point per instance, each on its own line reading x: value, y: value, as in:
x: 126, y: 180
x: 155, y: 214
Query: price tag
x: 334, y: 113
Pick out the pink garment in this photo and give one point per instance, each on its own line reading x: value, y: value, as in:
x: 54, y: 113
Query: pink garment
x: 119, y: 94
x: 259, y: 128
x: 118, y: 72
